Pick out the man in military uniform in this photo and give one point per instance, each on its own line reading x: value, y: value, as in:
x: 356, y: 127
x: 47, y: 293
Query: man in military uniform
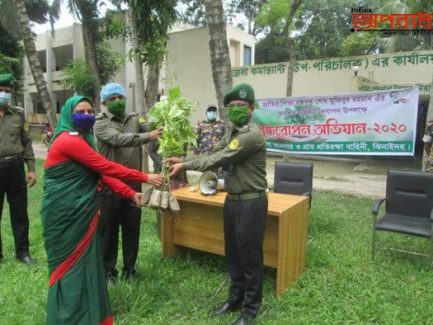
x: 120, y: 136
x: 209, y: 132
x: 243, y: 149
x: 15, y: 149
x: 427, y: 139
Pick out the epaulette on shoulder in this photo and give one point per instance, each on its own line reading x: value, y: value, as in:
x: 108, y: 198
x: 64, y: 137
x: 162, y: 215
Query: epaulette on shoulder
x: 244, y: 129
x: 100, y: 115
x: 73, y: 133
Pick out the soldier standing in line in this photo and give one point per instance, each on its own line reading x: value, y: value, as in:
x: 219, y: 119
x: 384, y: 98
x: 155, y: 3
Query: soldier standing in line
x: 209, y: 132
x: 246, y: 204
x: 120, y: 136
x: 15, y: 150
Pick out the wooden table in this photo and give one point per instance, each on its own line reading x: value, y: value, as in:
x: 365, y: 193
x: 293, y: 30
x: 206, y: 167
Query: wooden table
x: 200, y: 226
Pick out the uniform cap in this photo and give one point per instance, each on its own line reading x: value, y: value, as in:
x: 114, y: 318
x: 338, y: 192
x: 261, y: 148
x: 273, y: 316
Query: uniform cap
x: 7, y: 79
x: 241, y: 91
x: 112, y: 89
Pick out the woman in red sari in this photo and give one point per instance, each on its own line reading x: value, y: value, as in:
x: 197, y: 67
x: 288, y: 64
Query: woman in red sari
x: 77, y: 289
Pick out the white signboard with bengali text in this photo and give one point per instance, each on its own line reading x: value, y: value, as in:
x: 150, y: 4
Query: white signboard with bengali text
x: 363, y: 123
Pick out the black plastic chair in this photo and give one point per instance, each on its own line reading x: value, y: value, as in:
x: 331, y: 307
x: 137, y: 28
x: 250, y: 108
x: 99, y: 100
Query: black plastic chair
x: 294, y: 178
x: 408, y: 209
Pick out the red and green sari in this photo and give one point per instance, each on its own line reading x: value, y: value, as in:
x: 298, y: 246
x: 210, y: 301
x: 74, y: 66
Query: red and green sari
x: 77, y: 289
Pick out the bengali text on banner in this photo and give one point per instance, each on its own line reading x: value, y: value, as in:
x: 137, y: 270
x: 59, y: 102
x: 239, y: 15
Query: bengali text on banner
x: 363, y: 123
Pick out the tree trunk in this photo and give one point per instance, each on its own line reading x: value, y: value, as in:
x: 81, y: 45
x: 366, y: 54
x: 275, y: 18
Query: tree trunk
x: 290, y: 70
x: 219, y: 52
x: 87, y: 26
x: 151, y: 94
x: 290, y: 45
x: 150, y: 98
x: 138, y: 64
x: 35, y: 65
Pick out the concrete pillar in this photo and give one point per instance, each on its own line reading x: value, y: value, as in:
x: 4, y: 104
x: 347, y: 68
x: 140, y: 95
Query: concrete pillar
x: 355, y: 82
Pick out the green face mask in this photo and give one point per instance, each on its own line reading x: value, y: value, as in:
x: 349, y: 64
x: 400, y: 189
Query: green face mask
x: 117, y: 107
x: 238, y: 115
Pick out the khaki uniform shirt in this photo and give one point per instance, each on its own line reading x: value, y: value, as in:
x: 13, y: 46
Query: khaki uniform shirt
x: 244, y: 150
x: 14, y: 136
x: 120, y: 140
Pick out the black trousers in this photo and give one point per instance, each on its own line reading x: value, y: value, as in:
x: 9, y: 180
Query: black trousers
x: 244, y: 231
x: 13, y: 184
x: 116, y: 213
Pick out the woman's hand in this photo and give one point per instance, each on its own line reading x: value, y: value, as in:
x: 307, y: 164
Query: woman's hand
x: 138, y: 199
x: 155, y: 179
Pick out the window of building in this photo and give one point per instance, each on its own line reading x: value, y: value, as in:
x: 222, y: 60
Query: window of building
x: 247, y: 55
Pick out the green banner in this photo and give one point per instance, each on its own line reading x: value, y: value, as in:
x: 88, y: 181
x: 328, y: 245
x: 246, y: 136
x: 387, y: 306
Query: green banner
x: 363, y: 123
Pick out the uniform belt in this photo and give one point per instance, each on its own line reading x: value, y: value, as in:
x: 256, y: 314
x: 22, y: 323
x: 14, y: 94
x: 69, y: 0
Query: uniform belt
x: 10, y: 158
x: 246, y: 196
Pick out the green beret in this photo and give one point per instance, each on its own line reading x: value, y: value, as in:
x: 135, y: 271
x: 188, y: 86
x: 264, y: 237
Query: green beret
x: 7, y: 80
x: 240, y: 92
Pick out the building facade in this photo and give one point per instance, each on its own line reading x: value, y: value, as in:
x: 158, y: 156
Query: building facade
x: 57, y: 51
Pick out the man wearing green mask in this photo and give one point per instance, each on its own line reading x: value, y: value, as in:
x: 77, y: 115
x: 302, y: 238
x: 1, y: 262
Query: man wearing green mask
x: 120, y: 137
x: 243, y: 150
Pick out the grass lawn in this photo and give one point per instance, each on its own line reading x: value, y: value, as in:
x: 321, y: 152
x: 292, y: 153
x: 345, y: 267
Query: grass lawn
x: 340, y: 285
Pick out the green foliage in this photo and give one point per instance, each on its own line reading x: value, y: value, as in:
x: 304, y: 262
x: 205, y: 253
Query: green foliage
x: 271, y: 49
x: 154, y: 18
x: 174, y: 115
x: 250, y: 9
x: 323, y: 26
x: 77, y: 76
x: 108, y: 62
x: 194, y: 12
x: 359, y: 44
x: 11, y: 53
x: 38, y: 11
x: 274, y: 14
x: 114, y: 26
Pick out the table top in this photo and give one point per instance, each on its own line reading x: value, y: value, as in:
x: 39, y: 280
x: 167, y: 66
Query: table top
x: 277, y: 203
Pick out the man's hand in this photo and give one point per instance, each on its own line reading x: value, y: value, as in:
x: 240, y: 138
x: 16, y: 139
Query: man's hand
x: 31, y: 178
x: 155, y: 179
x: 155, y: 134
x: 138, y: 199
x: 175, y: 168
x: 172, y: 160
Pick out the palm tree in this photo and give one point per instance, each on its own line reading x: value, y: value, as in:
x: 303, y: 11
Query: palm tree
x: 219, y: 50
x: 13, y: 13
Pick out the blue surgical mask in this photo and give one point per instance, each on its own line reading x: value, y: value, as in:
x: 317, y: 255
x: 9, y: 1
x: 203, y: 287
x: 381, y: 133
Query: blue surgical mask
x: 83, y: 122
x: 5, y: 98
x: 211, y: 115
